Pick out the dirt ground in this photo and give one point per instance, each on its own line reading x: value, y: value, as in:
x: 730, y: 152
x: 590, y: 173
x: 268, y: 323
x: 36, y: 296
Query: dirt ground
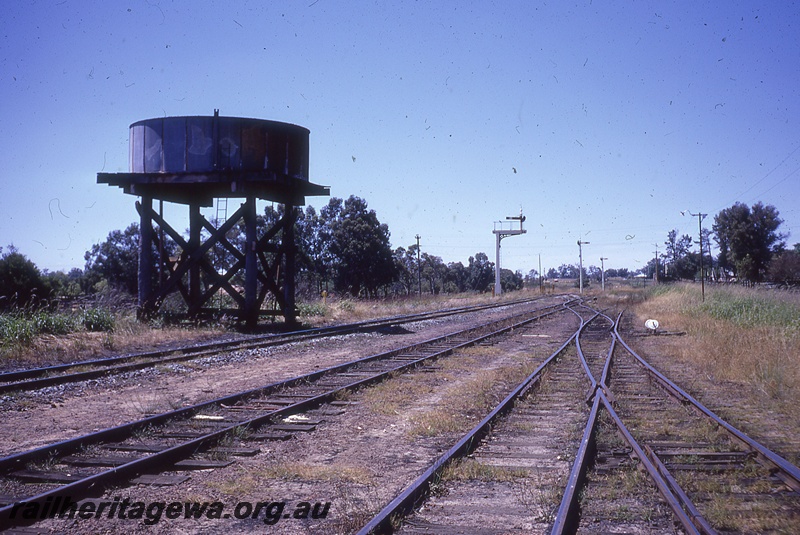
x: 57, y: 413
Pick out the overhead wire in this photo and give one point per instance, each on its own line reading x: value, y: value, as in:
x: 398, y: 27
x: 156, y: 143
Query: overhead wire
x: 762, y: 179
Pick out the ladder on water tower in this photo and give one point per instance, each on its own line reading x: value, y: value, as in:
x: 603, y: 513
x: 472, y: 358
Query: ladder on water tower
x: 222, y: 211
x: 221, y: 217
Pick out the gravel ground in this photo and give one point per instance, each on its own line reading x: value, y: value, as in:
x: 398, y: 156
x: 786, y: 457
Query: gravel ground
x: 61, y: 412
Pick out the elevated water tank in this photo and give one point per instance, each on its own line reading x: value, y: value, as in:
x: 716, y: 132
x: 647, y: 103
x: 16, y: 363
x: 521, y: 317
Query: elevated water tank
x: 199, y: 144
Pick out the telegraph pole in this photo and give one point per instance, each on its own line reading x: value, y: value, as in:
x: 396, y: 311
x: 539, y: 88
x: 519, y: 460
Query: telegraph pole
x: 419, y: 268
x: 655, y: 274
x: 580, y: 263
x: 541, y: 282
x: 603, y: 273
x: 700, y: 218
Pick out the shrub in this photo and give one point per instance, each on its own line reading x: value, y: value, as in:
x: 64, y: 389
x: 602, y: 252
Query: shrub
x: 15, y: 329
x: 19, y: 328
x: 96, y: 320
x: 308, y: 309
x: 49, y: 323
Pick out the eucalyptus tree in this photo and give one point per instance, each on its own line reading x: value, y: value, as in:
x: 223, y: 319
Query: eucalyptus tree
x: 748, y: 238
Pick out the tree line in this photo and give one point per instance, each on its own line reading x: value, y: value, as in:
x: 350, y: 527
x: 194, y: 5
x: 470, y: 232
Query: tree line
x: 343, y: 248
x: 751, y: 250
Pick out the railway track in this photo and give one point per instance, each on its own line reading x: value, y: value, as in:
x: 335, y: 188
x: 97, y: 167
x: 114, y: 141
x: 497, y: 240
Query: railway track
x: 159, y: 449
x: 35, y: 378
x: 511, y: 482
x: 516, y: 467
x: 710, y: 477
x: 725, y: 480
x: 634, y: 470
x: 593, y: 345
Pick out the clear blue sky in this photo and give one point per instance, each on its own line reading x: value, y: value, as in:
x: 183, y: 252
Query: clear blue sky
x: 601, y: 119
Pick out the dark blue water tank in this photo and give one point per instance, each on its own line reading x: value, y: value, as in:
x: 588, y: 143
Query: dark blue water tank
x: 201, y: 144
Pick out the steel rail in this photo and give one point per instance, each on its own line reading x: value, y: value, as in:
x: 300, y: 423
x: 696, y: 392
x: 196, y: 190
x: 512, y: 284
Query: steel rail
x: 691, y: 509
x: 34, y: 378
x: 663, y: 487
x: 604, y: 378
x: 790, y: 472
x: 582, y: 357
x: 155, y: 461
x: 567, y: 518
x: 595, y: 384
x: 419, y: 488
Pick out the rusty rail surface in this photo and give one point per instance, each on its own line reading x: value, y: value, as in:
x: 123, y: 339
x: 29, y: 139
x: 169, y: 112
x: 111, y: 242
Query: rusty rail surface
x: 663, y: 487
x: 684, y: 512
x: 679, y: 501
x: 697, y: 518
x: 567, y: 517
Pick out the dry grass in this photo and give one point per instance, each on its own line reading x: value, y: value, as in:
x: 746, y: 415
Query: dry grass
x: 458, y: 392
x: 246, y: 481
x: 749, y: 336
x: 313, y: 472
x: 129, y: 335
x: 618, y: 294
x: 354, y: 508
x: 347, y: 310
x: 389, y: 397
x: 470, y: 469
x: 463, y: 405
x: 145, y: 402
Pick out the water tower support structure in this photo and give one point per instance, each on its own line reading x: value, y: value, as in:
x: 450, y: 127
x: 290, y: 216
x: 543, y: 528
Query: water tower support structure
x: 192, y: 161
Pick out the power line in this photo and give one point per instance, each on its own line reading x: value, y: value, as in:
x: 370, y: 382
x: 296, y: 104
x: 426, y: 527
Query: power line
x: 787, y: 177
x: 762, y: 179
